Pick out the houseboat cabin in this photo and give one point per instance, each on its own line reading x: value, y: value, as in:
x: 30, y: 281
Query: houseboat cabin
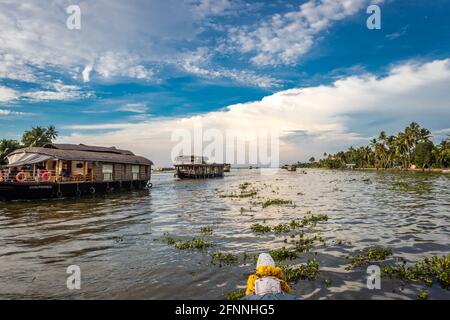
x: 61, y: 170
x: 194, y: 167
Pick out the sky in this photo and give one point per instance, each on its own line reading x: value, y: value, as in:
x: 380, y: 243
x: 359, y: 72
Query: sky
x: 138, y: 71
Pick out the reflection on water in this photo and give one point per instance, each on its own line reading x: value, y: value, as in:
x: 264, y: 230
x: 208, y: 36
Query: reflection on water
x: 115, y: 239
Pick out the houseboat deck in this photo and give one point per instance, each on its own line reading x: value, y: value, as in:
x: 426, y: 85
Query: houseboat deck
x: 56, y: 170
x: 191, y: 167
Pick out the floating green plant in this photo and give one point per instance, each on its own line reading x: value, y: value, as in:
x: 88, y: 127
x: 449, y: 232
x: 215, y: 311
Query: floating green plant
x: 236, y: 295
x: 276, y: 202
x: 259, y: 228
x: 309, y: 271
x: 305, y: 243
x: 118, y: 239
x: 313, y: 219
x: 423, y: 294
x: 169, y: 239
x: 281, y: 228
x: 327, y: 281
x: 242, y: 194
x: 423, y: 271
x: 195, y: 243
x: 221, y: 257
x: 244, y: 185
x: 283, y: 254
x: 208, y: 230
x: 369, y: 255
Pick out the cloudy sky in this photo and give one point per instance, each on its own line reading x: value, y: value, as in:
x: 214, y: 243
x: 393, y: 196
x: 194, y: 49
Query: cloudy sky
x: 139, y: 70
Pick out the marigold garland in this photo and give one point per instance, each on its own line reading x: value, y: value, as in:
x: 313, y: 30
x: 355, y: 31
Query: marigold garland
x: 267, y: 271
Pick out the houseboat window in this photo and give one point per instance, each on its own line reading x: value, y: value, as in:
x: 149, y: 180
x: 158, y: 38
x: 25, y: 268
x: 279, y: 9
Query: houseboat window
x: 107, y: 170
x: 135, y: 170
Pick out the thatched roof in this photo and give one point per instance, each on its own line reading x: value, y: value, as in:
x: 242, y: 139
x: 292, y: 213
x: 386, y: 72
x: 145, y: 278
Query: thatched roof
x: 85, y: 153
x: 83, y: 147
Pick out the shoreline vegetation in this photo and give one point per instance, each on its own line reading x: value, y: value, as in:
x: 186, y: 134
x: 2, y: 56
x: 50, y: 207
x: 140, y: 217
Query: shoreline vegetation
x: 409, y: 150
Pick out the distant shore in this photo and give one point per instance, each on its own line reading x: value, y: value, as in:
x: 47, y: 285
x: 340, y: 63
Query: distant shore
x: 431, y: 170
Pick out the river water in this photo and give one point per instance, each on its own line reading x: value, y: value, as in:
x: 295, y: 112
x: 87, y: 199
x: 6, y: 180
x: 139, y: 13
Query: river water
x: 117, y: 240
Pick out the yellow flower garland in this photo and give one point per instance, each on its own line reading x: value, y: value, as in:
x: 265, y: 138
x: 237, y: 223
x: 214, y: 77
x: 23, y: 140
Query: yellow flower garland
x: 267, y: 271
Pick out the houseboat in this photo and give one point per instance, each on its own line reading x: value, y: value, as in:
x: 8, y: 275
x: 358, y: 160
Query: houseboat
x: 195, y: 167
x: 291, y: 167
x: 67, y: 170
x: 226, y: 167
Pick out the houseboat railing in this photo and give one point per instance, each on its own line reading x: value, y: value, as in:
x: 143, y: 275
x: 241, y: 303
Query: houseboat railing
x: 27, y: 176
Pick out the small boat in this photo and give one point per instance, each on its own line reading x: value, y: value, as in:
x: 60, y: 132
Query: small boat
x: 226, y: 167
x: 195, y: 167
x: 291, y: 167
x: 69, y: 170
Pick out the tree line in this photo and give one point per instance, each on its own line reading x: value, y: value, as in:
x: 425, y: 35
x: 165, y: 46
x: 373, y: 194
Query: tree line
x: 35, y: 137
x: 411, y: 147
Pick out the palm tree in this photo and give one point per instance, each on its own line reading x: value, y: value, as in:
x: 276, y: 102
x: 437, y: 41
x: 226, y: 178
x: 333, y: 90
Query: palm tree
x: 7, y: 146
x: 39, y: 136
x: 444, y: 153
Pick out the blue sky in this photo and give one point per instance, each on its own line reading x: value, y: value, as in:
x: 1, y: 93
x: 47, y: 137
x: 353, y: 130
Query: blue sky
x: 148, y: 64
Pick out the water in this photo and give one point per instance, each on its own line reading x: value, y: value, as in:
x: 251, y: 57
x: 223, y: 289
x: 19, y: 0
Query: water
x: 116, y: 239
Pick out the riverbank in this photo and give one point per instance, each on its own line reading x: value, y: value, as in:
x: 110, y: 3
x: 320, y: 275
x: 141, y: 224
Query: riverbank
x: 432, y: 170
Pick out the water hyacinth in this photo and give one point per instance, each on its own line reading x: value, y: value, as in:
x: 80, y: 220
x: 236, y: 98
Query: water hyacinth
x: 221, y: 257
x: 259, y: 228
x: 424, y: 271
x: 195, y: 243
x: 277, y: 202
x: 309, y: 271
x: 283, y: 254
x: 208, y: 230
x: 236, y: 295
x: 372, y: 254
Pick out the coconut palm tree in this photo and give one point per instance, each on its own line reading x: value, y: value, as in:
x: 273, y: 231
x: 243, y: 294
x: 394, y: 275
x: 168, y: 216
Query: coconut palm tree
x: 6, y: 147
x: 443, y: 153
x: 39, y: 136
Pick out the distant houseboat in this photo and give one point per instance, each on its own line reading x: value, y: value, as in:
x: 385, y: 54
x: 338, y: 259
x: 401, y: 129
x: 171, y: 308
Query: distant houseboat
x: 194, y: 167
x: 67, y: 170
x: 291, y: 167
x: 226, y: 167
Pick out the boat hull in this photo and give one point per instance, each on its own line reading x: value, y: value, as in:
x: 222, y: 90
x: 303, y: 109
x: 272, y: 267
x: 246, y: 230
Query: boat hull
x: 184, y: 175
x: 29, y: 191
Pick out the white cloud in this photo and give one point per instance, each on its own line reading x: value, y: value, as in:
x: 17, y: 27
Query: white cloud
x: 284, y: 38
x: 13, y: 67
x: 327, y: 117
x: 7, y: 94
x: 87, y: 72
x: 120, y: 38
x: 134, y: 107
x: 215, y: 7
x: 397, y: 34
x: 199, y: 63
x: 57, y: 91
x: 4, y: 112
x: 121, y: 65
x: 117, y: 39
